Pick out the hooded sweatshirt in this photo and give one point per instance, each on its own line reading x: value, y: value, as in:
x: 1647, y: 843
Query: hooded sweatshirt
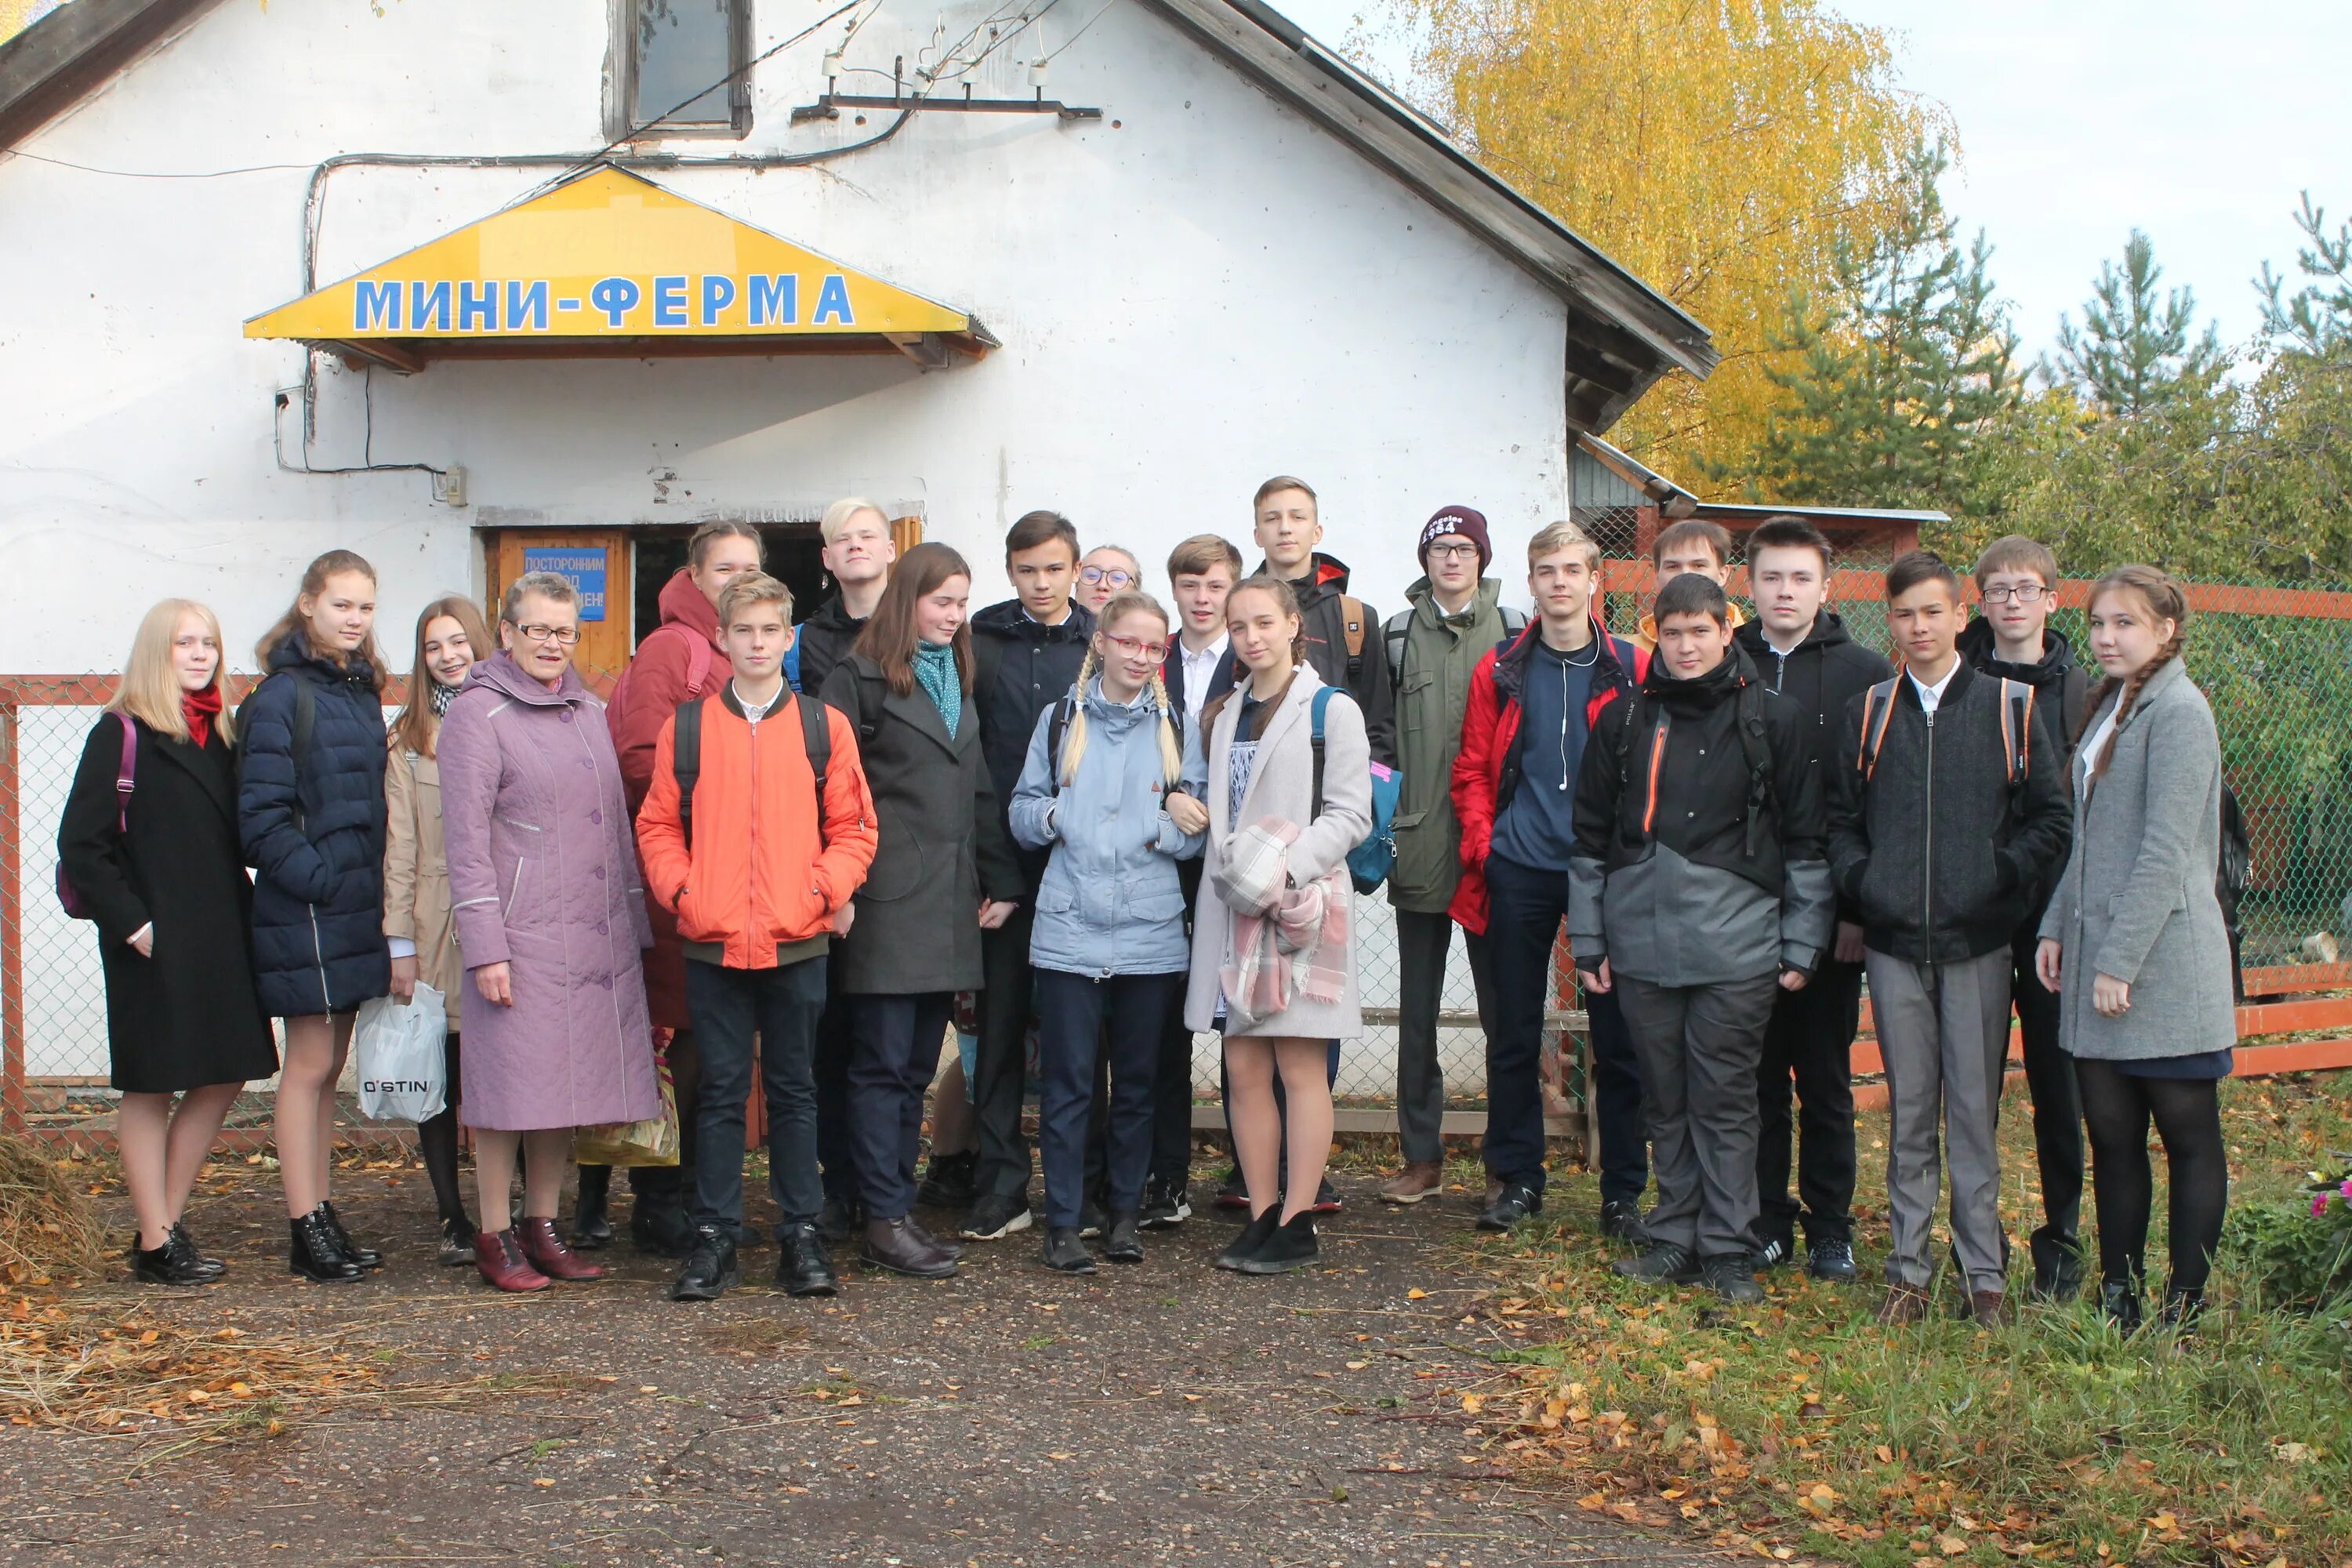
x: 2061, y: 686
x: 821, y: 642
x: 1364, y: 677
x: 1819, y: 676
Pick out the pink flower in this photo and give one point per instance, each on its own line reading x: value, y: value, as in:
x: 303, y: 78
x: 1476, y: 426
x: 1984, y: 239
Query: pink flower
x: 2347, y: 1188
x: 2319, y: 1204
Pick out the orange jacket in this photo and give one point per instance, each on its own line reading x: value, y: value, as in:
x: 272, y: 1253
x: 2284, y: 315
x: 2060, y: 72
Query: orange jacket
x: 757, y: 891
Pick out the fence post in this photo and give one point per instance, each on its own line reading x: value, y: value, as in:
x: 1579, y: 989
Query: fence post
x: 12, y: 928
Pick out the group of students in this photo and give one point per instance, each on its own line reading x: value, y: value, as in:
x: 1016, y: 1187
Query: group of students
x: 802, y: 843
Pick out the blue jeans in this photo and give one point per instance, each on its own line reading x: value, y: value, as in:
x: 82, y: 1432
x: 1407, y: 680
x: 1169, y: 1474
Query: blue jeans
x: 1080, y: 1017
x: 780, y: 1007
x: 894, y: 1049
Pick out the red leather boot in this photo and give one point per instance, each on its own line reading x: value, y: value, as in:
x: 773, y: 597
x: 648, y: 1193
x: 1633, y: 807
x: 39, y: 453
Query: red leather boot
x: 548, y: 1254
x: 499, y: 1255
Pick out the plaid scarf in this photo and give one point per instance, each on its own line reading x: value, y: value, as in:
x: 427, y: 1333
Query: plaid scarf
x: 1284, y: 941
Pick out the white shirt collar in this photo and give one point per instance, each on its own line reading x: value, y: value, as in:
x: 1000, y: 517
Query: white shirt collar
x: 754, y: 714
x: 1932, y: 696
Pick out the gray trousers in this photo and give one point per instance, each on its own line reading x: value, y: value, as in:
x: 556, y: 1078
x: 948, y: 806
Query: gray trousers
x: 1699, y: 1046
x: 1943, y: 1031
x: 1423, y: 941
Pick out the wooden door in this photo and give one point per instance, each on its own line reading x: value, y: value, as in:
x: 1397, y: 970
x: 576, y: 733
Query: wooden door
x: 605, y: 592
x: 906, y: 532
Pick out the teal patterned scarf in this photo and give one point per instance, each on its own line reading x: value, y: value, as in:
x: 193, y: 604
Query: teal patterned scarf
x: 935, y: 671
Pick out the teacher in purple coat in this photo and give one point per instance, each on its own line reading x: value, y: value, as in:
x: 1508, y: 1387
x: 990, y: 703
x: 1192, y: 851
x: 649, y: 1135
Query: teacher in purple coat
x: 550, y: 916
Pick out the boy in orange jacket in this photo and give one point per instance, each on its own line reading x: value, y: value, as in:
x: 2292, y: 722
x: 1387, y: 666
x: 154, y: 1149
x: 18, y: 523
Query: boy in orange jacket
x: 756, y: 830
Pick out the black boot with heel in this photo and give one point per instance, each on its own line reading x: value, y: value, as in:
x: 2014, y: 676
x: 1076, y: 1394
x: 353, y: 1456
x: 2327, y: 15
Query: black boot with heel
x: 317, y: 1252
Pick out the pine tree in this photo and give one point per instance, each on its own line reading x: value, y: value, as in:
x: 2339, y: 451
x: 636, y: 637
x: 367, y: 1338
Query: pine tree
x: 2316, y: 319
x: 1901, y: 367
x: 2134, y: 350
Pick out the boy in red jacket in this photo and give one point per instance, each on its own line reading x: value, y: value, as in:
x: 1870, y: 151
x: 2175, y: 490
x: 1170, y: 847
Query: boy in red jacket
x: 755, y: 832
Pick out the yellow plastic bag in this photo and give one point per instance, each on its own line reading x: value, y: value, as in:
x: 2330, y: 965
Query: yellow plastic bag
x: 652, y: 1142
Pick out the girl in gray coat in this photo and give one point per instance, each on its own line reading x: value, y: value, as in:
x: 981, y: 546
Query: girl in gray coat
x: 1106, y: 790
x: 2135, y: 945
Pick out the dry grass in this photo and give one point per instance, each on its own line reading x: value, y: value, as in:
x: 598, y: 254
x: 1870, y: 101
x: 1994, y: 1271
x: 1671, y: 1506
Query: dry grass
x: 46, y: 1229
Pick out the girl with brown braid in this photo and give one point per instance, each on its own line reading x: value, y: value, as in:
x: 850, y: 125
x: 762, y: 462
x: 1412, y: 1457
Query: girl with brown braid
x: 1107, y: 789
x: 2135, y: 943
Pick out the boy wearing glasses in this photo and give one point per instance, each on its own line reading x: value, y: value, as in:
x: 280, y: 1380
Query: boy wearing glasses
x: 1433, y: 649
x: 1105, y: 573
x: 2017, y: 579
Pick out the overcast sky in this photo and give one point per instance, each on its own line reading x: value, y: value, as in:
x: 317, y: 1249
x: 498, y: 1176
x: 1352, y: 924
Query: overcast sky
x: 2195, y: 120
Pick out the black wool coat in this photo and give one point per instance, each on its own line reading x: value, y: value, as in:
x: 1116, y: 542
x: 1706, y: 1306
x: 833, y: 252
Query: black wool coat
x: 940, y: 841
x: 188, y: 1016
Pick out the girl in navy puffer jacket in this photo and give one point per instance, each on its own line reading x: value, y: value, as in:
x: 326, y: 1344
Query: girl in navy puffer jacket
x: 1118, y: 806
x: 310, y: 812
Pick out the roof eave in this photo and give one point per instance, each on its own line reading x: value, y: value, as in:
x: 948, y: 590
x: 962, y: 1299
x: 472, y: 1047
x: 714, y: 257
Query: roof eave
x: 54, y: 63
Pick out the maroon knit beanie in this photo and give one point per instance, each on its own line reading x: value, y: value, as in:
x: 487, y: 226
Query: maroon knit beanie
x: 1467, y: 521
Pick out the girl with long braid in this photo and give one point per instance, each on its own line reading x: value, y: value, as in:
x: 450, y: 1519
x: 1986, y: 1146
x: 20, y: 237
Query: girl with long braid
x: 2135, y: 945
x: 1108, y: 789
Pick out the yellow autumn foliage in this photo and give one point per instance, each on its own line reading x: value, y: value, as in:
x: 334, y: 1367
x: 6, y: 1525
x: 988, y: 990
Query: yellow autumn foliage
x: 1717, y: 149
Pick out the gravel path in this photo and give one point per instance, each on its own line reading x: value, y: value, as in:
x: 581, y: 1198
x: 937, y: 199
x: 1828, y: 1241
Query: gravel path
x: 1165, y: 1413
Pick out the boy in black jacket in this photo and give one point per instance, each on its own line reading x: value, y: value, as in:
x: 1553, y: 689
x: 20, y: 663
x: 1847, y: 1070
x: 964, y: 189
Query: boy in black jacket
x: 1699, y: 892
x: 2017, y: 579
x: 1948, y: 815
x: 1803, y: 651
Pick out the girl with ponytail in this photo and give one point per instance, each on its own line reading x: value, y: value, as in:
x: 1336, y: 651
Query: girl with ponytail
x: 1108, y: 789
x: 2135, y: 945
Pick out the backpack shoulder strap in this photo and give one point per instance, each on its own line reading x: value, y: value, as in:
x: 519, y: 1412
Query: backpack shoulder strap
x: 1515, y: 622
x: 792, y: 663
x: 1315, y: 741
x: 124, y: 780
x: 1877, y: 710
x: 1056, y: 730
x: 1351, y: 619
x: 686, y: 763
x: 2017, y: 732
x: 1393, y: 634
x: 873, y: 690
x: 817, y: 738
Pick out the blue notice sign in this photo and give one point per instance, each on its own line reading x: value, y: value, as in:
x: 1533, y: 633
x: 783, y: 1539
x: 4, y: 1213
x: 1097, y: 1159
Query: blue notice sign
x: 584, y: 569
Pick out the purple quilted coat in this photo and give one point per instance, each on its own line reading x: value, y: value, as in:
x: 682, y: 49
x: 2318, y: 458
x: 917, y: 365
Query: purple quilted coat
x: 543, y: 875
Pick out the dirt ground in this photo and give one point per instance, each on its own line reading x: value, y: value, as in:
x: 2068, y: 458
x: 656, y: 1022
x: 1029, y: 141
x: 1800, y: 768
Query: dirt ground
x: 1163, y: 1413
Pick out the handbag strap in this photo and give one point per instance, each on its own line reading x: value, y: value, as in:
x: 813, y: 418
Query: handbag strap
x: 125, y: 781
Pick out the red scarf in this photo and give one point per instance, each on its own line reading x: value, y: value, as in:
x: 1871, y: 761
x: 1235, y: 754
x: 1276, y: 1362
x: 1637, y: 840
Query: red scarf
x: 198, y: 708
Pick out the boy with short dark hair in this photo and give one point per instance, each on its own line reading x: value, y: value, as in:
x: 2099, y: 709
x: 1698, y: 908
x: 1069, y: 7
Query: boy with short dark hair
x: 1947, y: 806
x: 1699, y: 893
x: 1803, y: 651
x: 2011, y: 639
x: 1693, y: 545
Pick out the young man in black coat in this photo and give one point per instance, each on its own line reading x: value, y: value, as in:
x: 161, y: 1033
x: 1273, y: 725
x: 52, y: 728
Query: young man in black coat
x: 1343, y: 632
x: 1803, y: 651
x: 2010, y: 639
x: 1027, y: 650
x: 1947, y: 801
x: 1698, y: 892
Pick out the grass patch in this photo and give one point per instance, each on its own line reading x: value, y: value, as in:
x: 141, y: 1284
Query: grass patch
x: 1799, y: 1427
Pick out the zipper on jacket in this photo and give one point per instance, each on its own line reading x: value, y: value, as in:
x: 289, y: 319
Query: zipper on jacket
x: 318, y: 955
x: 1657, y: 760
x: 1928, y: 859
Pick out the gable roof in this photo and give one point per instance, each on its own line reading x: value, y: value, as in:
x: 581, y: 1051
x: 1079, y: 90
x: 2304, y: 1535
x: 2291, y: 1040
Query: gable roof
x: 1622, y: 335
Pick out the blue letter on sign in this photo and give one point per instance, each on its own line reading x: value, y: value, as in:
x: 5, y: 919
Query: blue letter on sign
x: 428, y: 299
x: 833, y: 297
x: 477, y: 310
x: 775, y: 300
x: 718, y: 293
x: 374, y: 302
x: 669, y: 301
x: 616, y: 296
x: 526, y: 300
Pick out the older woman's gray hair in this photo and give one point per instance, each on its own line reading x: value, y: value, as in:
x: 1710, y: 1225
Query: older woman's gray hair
x: 546, y: 584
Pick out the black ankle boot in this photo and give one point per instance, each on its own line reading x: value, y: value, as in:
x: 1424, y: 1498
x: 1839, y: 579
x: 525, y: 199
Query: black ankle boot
x: 1123, y: 1240
x: 805, y: 1269
x: 1291, y: 1245
x: 317, y: 1253
x: 2119, y: 1303
x: 1253, y: 1236
x: 1065, y: 1253
x: 2180, y: 1310
x: 591, y: 1230
x: 365, y: 1257
x: 170, y: 1264
x: 210, y: 1267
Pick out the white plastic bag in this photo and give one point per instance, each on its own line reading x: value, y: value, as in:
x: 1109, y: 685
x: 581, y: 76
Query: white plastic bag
x: 402, y: 1075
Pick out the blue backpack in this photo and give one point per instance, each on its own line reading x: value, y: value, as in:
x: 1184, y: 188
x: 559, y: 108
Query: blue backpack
x: 1368, y: 863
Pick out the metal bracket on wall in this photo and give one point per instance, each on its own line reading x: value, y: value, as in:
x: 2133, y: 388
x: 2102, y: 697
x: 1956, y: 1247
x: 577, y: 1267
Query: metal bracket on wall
x: 830, y: 106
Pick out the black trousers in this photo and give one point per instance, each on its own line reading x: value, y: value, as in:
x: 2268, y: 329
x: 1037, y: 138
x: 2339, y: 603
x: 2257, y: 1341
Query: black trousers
x: 835, y: 1149
x: 1088, y: 1026
x: 1171, y: 1099
x: 1808, y: 1044
x: 897, y: 1049
x: 1424, y: 940
x: 2057, y: 1100
x: 775, y: 1012
x: 1000, y: 1064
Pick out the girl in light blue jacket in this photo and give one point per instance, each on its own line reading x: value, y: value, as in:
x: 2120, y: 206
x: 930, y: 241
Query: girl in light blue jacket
x: 1109, y: 791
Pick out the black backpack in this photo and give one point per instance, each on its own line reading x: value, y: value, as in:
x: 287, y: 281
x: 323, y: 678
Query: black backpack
x: 1755, y: 745
x: 686, y: 758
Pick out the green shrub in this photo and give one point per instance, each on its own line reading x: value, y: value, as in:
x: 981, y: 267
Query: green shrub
x: 2295, y: 1254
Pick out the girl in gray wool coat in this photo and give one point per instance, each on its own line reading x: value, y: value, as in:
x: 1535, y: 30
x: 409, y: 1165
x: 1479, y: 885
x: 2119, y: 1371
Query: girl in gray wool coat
x: 2134, y: 943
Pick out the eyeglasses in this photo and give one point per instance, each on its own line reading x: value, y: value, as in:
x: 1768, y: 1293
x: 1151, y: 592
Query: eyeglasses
x: 2024, y: 593
x: 567, y: 636
x: 1110, y: 575
x: 1455, y: 552
x: 1136, y: 647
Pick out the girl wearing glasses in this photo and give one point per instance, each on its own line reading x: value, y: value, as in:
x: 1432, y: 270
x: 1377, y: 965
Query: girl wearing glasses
x: 1107, y: 572
x: 310, y: 813
x: 550, y: 915
x: 1106, y: 790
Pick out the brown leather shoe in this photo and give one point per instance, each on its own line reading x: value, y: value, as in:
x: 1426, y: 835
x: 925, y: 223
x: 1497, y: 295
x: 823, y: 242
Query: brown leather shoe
x: 499, y: 1255
x: 1904, y: 1305
x: 548, y: 1254
x: 1989, y: 1308
x: 1420, y: 1179
x: 893, y: 1245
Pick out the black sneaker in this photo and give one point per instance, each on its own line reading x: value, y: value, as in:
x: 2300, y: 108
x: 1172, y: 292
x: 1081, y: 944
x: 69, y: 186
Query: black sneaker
x: 1123, y: 1238
x: 946, y: 1182
x: 1621, y: 1220
x: 1245, y: 1247
x: 1830, y: 1258
x: 1287, y: 1246
x: 456, y: 1244
x: 1327, y: 1198
x: 839, y: 1220
x: 1091, y: 1220
x: 1732, y: 1276
x: 1065, y: 1253
x: 1166, y: 1204
x: 1516, y: 1203
x: 1664, y: 1264
x: 1775, y: 1251
x: 1232, y: 1192
x: 996, y: 1217
x: 709, y: 1271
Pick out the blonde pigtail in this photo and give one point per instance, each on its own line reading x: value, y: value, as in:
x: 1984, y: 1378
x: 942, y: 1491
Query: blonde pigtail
x: 1171, y: 755
x: 1073, y: 742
